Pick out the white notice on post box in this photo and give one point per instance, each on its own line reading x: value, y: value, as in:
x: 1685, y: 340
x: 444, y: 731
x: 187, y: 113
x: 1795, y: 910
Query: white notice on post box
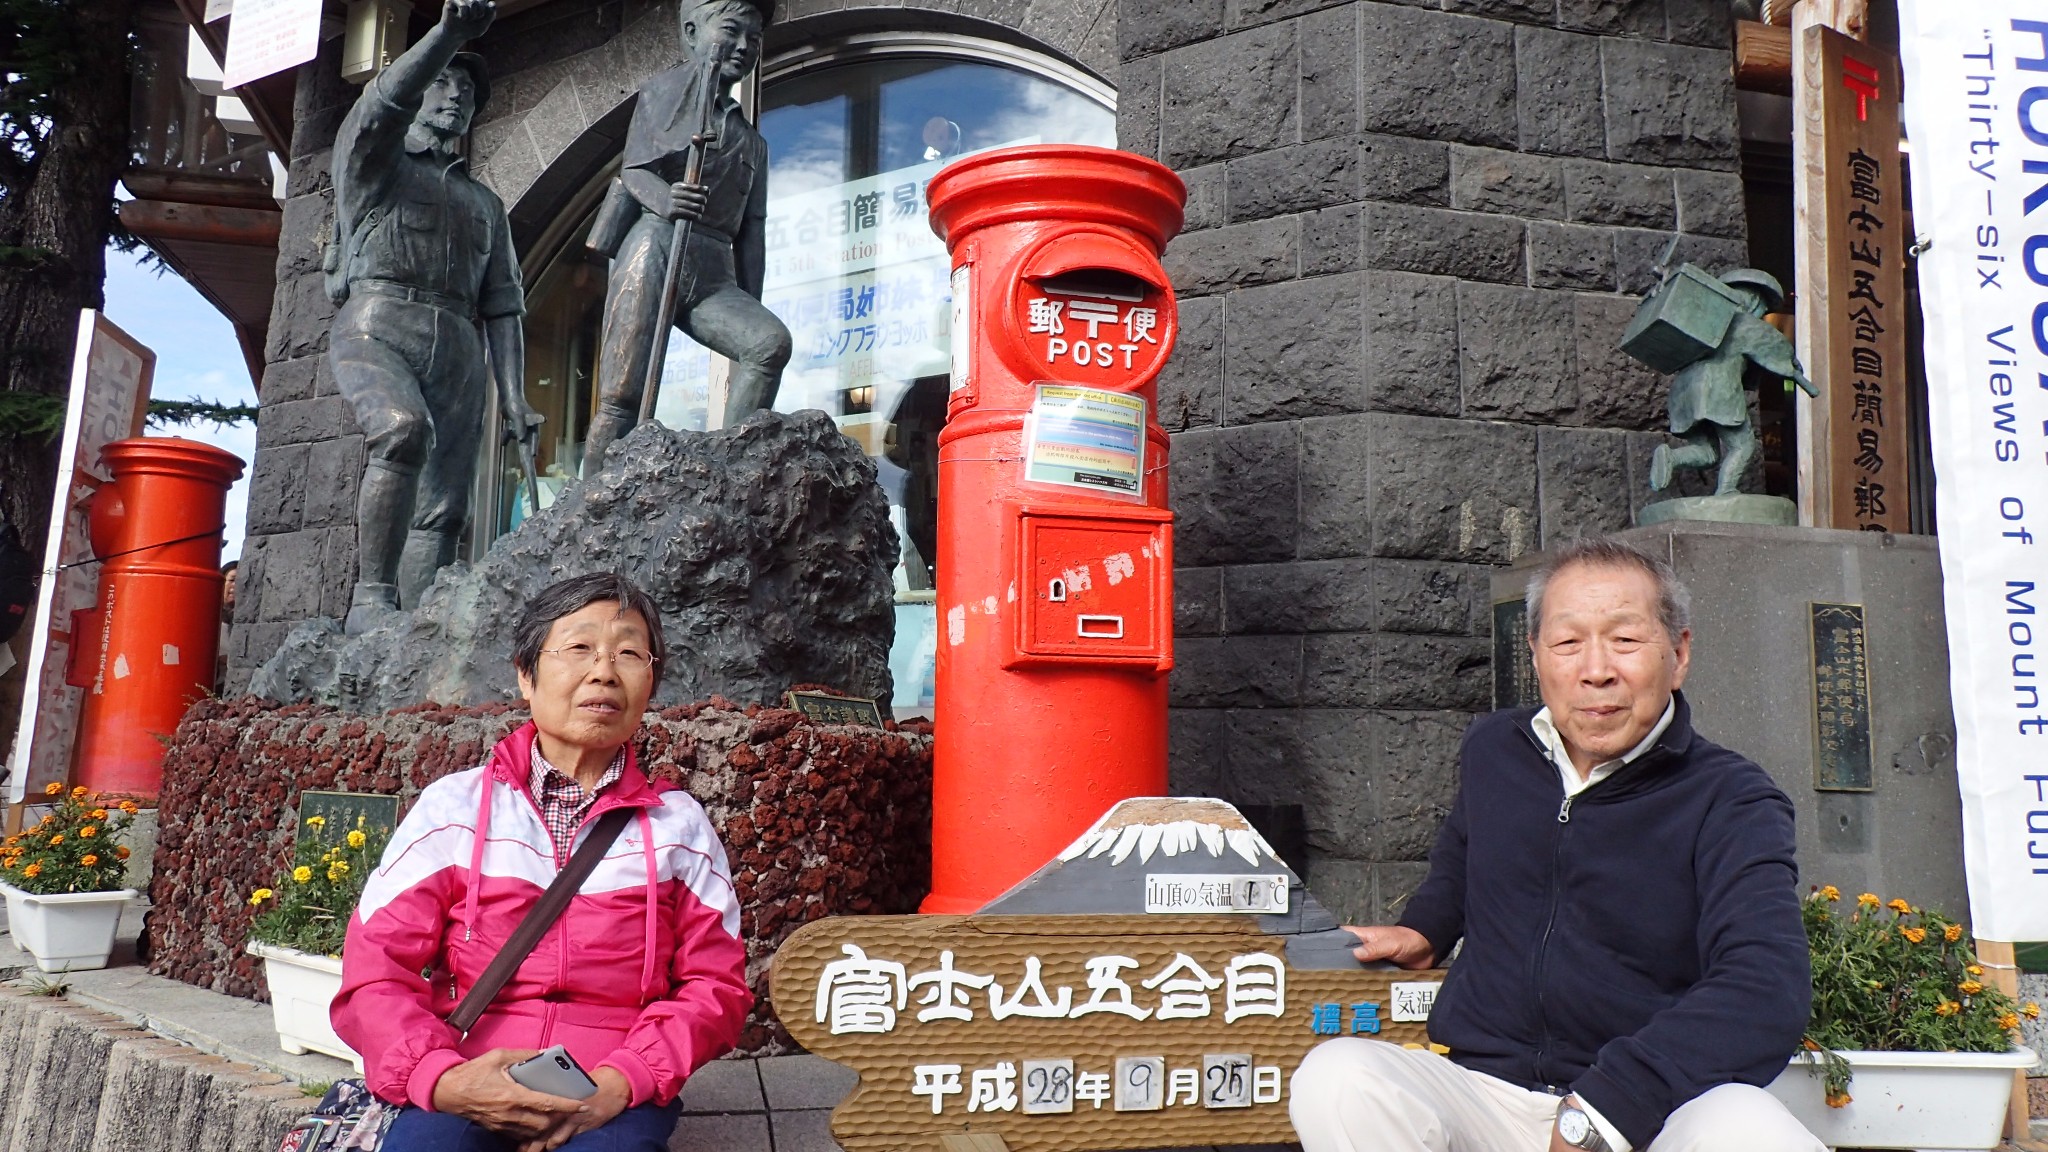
x: 1211, y: 893
x: 269, y: 36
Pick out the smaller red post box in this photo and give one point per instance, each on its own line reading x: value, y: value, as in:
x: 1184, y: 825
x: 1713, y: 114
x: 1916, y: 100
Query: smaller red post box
x: 1055, y: 564
x: 146, y: 650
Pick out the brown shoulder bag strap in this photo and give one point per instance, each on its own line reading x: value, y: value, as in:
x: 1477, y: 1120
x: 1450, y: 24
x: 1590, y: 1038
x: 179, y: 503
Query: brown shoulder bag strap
x: 540, y: 918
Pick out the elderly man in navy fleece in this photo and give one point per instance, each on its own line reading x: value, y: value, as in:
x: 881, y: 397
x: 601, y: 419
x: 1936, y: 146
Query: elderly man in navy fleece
x: 1634, y: 966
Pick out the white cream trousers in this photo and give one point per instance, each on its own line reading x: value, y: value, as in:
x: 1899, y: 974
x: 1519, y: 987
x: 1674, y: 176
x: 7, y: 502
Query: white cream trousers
x: 1357, y: 1095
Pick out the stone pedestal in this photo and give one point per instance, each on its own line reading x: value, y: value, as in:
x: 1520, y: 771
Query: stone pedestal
x: 1752, y: 688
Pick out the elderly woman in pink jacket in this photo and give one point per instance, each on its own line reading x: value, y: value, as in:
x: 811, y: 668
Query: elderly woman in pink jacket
x: 642, y: 979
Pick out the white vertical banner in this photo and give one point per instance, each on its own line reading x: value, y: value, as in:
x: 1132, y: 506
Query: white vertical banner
x: 268, y: 36
x: 1976, y: 94
x: 110, y: 378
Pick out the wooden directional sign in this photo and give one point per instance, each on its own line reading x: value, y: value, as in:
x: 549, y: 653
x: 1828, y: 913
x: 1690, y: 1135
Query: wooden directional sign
x: 1072, y: 1033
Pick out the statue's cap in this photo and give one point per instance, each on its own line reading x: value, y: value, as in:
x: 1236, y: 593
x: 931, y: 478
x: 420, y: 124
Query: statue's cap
x: 479, y: 76
x: 765, y: 7
x: 1765, y: 284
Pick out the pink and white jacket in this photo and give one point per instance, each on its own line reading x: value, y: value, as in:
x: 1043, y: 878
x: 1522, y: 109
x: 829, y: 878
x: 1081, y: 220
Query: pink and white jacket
x: 644, y: 972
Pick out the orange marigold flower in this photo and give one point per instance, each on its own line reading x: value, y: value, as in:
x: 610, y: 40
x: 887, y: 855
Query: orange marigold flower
x: 2010, y: 1021
x: 1868, y: 900
x: 1810, y: 1045
x: 88, y: 832
x: 1839, y: 1099
x: 1899, y: 906
x: 1915, y: 935
x: 53, y: 788
x: 1970, y: 987
x: 129, y: 806
x: 1947, y: 1008
x: 1952, y: 933
x: 56, y: 840
x: 79, y: 792
x: 2030, y: 1010
x: 96, y: 814
x: 1830, y: 893
x: 1974, y: 970
x: 32, y: 870
x: 90, y: 860
x: 121, y: 852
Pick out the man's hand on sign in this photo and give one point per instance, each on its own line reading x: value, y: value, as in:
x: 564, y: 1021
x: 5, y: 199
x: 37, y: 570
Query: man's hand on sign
x: 468, y: 19
x: 1402, y: 947
x: 688, y: 201
x: 483, y: 1091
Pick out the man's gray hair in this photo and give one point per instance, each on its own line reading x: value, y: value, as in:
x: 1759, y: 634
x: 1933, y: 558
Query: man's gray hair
x: 1674, y: 603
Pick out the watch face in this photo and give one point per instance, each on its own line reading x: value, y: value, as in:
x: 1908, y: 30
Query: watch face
x: 1573, y: 1125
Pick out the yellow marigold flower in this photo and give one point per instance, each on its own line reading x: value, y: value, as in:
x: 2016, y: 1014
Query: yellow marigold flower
x: 1868, y: 900
x: 90, y: 860
x: 1947, y: 1008
x: 88, y: 832
x: 1899, y: 906
x: 1914, y: 935
x: 79, y: 792
x: 2010, y: 1021
x: 316, y: 821
x: 1974, y: 970
x: 130, y: 807
x: 1839, y: 1100
x: 32, y: 870
x: 2030, y: 1010
x: 56, y: 840
x: 260, y: 895
x: 53, y: 788
x: 121, y: 852
x: 1952, y: 933
x: 1970, y: 987
x: 1830, y: 893
x: 302, y: 874
x: 357, y: 839
x: 96, y: 814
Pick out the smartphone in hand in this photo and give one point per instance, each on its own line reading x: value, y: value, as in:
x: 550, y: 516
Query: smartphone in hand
x: 554, y: 1073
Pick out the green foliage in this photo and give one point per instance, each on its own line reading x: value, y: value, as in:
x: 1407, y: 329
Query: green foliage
x: 162, y: 412
x: 310, y: 907
x: 76, y: 848
x: 315, y: 1088
x: 1890, y: 977
x: 37, y: 984
x: 30, y: 415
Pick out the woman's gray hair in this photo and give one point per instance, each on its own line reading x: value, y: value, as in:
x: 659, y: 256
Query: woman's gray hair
x: 566, y: 597
x: 1674, y: 603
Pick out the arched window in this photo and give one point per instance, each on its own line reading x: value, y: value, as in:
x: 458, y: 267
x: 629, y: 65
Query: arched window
x: 855, y: 129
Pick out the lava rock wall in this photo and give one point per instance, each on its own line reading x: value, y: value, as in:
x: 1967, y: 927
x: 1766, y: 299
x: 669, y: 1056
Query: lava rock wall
x: 767, y: 546
x: 817, y: 820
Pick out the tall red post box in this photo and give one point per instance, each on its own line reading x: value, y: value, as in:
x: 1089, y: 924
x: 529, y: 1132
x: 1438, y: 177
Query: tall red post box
x: 1055, y: 564
x: 146, y: 650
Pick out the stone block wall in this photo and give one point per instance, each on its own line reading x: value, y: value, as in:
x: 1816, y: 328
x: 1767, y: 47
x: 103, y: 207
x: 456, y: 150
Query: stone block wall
x: 1414, y: 236
x: 816, y: 820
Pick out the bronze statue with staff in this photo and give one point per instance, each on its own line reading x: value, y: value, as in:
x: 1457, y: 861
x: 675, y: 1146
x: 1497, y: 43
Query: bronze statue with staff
x: 684, y: 227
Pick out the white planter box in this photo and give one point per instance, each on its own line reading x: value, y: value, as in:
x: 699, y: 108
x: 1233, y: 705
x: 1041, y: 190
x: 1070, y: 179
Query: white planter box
x: 302, y: 988
x: 1929, y: 1100
x: 66, y: 932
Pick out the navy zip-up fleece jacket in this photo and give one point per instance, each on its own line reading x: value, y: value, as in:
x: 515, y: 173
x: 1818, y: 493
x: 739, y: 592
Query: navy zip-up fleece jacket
x: 1638, y: 946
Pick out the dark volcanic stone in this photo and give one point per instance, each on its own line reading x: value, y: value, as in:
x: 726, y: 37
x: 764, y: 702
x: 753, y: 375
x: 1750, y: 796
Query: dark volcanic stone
x: 768, y: 547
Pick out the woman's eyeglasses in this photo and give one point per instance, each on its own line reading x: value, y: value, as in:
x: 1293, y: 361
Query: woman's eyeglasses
x: 581, y: 658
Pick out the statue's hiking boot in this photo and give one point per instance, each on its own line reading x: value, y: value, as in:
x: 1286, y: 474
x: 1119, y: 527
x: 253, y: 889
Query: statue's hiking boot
x: 1660, y: 476
x: 371, y: 606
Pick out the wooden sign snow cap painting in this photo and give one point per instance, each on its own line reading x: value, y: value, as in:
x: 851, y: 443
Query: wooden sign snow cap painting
x: 1154, y: 986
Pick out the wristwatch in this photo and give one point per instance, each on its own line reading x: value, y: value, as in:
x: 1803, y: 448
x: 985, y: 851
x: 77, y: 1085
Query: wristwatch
x: 1577, y: 1128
